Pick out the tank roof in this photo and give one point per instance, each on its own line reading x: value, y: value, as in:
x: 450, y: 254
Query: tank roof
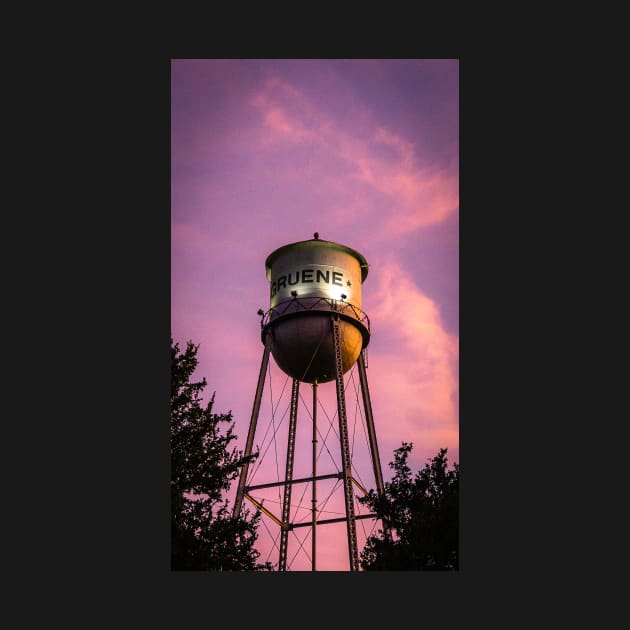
x: 318, y: 242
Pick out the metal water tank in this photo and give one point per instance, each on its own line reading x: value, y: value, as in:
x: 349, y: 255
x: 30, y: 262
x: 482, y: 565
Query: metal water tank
x: 311, y: 282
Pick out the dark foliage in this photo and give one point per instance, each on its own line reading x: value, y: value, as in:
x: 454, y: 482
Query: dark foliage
x: 423, y: 515
x: 204, y: 536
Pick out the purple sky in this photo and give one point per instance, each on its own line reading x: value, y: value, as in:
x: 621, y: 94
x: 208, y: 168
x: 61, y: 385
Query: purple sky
x: 365, y: 152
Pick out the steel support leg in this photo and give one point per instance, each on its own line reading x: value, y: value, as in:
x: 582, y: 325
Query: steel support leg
x: 314, y: 496
x: 345, y: 451
x: 369, y: 419
x: 288, y: 478
x: 240, y: 492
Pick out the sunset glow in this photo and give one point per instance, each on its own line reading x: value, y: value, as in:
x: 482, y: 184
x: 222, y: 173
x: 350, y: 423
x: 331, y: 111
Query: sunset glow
x: 365, y: 152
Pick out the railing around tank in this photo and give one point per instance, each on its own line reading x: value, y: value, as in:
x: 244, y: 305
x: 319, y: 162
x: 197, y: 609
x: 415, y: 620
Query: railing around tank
x: 300, y: 305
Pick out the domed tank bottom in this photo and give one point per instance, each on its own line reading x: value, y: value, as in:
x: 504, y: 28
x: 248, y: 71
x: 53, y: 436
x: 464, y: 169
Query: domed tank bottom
x: 303, y: 346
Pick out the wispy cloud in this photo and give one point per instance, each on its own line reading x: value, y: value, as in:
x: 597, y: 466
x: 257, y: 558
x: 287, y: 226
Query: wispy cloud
x: 414, y: 192
x: 414, y: 368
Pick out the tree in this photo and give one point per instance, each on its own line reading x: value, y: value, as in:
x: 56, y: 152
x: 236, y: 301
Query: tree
x: 423, y: 516
x: 204, y: 536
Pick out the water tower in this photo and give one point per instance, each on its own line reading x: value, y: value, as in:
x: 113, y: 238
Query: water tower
x: 316, y: 331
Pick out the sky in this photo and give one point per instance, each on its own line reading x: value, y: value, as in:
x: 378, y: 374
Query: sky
x: 365, y: 152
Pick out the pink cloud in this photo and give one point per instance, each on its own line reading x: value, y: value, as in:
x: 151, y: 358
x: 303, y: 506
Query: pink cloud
x: 402, y: 147
x: 414, y: 377
x: 417, y: 193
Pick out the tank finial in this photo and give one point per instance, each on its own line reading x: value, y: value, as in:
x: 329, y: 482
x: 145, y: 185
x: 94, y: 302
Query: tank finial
x: 316, y: 235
